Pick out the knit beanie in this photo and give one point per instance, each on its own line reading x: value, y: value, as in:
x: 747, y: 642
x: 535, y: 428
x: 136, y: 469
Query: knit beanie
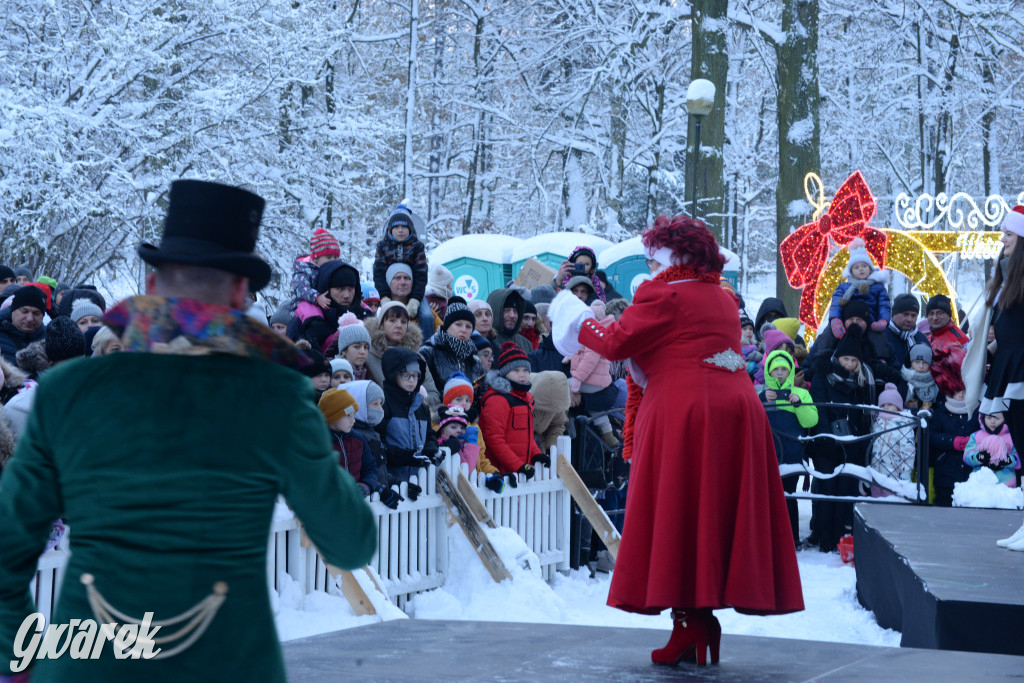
x: 510, y: 358
x: 939, y: 302
x: 350, y: 331
x: 323, y: 243
x: 341, y: 364
x: 319, y: 364
x: 855, y: 308
x: 903, y: 303
x: 451, y: 414
x: 542, y: 294
x: 439, y: 281
x: 789, y: 326
x: 6, y: 272
x: 457, y: 385
x: 457, y: 309
x: 344, y: 277
x: 921, y: 352
x: 336, y: 404
x: 83, y: 307
x: 890, y: 395
x: 530, y: 308
x: 858, y: 254
x: 23, y: 270
x: 476, y: 304
x: 400, y: 215
x: 63, y: 340
x: 388, y: 306
x: 481, y: 342
x: 745, y: 321
x: 283, y: 314
x: 850, y: 344
x: 29, y: 296
x: 396, y: 268
x: 1014, y: 221
x: 371, y: 295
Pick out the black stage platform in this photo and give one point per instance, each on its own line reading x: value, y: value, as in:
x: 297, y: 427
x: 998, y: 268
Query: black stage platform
x: 937, y: 575
x: 411, y: 650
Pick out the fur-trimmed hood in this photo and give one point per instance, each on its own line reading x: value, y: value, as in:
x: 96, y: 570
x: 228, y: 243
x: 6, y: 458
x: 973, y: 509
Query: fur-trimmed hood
x: 878, y: 275
x: 493, y: 380
x: 6, y: 440
x: 550, y: 391
x: 14, y: 377
x: 32, y: 359
x: 413, y: 338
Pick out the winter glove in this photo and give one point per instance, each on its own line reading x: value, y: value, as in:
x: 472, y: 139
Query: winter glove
x: 453, y: 444
x: 433, y: 453
x: 414, y: 491
x: 472, y: 434
x: 495, y: 482
x: 960, y: 442
x: 542, y: 460
x: 390, y: 497
x: 574, y: 385
x: 984, y: 458
x: 879, y: 325
x: 837, y: 328
x: 513, y: 480
x: 414, y: 308
x: 528, y: 471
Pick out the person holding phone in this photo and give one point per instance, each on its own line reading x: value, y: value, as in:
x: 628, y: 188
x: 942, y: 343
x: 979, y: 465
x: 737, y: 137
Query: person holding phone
x: 582, y: 262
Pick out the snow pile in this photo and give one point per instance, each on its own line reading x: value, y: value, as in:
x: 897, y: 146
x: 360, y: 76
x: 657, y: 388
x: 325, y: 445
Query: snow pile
x: 983, y: 490
x: 298, y: 616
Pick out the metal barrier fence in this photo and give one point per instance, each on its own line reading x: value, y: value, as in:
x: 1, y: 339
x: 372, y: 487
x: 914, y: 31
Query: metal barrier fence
x: 892, y: 458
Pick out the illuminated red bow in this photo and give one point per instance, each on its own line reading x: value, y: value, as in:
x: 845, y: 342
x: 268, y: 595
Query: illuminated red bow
x: 805, y: 251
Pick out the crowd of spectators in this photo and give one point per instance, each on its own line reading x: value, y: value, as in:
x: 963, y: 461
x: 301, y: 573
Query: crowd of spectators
x: 402, y: 368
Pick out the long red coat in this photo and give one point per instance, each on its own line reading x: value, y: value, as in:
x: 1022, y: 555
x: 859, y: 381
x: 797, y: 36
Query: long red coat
x: 706, y: 522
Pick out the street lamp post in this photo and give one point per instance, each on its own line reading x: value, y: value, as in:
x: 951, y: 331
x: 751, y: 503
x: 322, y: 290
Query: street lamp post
x: 700, y: 100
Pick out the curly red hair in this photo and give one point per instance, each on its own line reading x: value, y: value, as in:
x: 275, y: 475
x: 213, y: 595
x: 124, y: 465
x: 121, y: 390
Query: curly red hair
x: 690, y: 241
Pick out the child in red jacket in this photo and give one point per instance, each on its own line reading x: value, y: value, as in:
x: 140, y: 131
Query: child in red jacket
x: 506, y: 415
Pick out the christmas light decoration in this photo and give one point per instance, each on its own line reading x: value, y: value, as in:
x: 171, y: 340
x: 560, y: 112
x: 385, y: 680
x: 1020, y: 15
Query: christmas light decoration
x: 805, y: 252
x: 928, y: 211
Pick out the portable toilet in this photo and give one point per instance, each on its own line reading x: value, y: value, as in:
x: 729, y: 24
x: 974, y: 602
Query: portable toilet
x: 479, y: 263
x: 554, y: 247
x: 626, y: 266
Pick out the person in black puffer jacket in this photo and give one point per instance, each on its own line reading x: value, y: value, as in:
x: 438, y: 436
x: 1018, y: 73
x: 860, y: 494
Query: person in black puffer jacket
x: 341, y: 282
x: 451, y: 348
x: 406, y: 432
x: 949, y: 430
x: 843, y: 377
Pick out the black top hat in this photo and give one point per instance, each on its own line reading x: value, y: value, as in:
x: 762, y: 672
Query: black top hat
x: 212, y: 225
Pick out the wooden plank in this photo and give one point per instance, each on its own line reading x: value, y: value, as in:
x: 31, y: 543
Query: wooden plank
x: 606, y: 531
x: 462, y: 513
x: 350, y: 586
x: 474, y: 502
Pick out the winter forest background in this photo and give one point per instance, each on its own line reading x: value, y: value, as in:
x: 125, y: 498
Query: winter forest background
x: 492, y: 116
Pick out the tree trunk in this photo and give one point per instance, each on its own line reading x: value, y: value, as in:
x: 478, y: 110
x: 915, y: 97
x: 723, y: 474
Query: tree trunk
x: 799, y: 128
x: 710, y: 60
x: 410, y: 101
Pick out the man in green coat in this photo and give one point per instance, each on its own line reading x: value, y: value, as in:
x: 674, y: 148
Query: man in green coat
x: 166, y: 463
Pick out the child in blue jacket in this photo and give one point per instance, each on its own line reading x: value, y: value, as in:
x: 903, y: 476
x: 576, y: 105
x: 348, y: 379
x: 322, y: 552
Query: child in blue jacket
x: 865, y: 281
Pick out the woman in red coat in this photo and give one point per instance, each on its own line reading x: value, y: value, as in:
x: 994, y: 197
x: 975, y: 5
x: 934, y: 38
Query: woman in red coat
x: 706, y: 525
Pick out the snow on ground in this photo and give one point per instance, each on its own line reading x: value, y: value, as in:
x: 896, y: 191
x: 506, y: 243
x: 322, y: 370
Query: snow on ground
x: 832, y: 612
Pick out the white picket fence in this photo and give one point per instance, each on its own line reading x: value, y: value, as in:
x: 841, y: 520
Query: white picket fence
x: 412, y: 541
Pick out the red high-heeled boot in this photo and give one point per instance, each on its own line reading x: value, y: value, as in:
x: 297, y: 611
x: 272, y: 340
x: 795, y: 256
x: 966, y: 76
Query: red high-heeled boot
x: 689, y: 638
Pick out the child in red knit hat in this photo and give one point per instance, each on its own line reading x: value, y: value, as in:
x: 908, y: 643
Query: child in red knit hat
x: 506, y: 415
x: 323, y: 247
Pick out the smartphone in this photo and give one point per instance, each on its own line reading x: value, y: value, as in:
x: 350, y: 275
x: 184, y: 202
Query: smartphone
x: 579, y: 269
x: 782, y: 394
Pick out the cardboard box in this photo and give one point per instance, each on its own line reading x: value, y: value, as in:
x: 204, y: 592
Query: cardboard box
x: 534, y: 274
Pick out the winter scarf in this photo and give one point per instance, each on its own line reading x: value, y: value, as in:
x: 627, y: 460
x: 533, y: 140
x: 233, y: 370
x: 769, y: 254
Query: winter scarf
x: 997, y: 445
x: 921, y: 384
x: 956, y: 407
x: 840, y: 377
x: 905, y: 335
x: 153, y: 324
x: 634, y: 392
x: 856, y: 287
x: 460, y: 348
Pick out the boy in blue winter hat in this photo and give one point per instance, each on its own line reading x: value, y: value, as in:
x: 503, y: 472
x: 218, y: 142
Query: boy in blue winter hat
x: 401, y: 245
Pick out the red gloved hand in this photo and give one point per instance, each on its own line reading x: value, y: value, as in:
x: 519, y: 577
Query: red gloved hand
x: 960, y: 442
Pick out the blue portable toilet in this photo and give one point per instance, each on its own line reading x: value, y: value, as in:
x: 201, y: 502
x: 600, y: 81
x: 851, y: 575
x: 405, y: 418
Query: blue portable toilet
x: 552, y: 248
x: 479, y: 263
x: 626, y: 266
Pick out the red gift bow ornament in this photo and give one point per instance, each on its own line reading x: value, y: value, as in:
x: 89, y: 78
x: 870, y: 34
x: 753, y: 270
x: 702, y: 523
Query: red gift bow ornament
x: 806, y: 250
